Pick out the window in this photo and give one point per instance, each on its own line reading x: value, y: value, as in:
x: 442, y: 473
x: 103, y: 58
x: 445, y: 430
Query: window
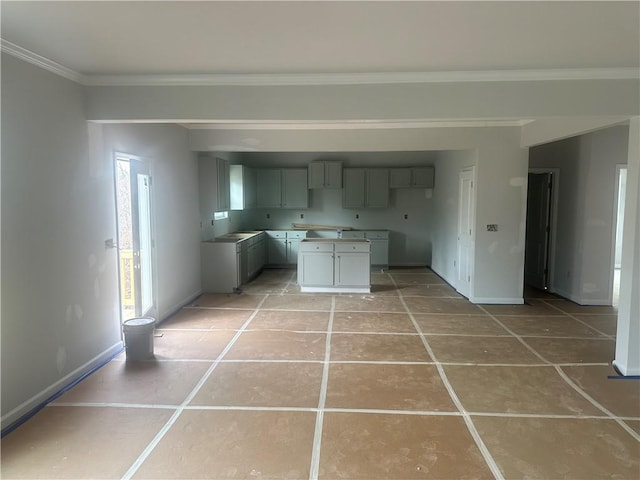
x: 220, y: 215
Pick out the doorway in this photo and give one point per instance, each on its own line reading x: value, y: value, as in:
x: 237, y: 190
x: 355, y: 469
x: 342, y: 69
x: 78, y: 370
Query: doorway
x: 135, y: 237
x: 538, y: 228
x: 466, y: 231
x: 621, y: 191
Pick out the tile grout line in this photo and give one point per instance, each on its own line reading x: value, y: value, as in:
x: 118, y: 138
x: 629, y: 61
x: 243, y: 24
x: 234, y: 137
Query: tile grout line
x: 597, y: 404
x: 314, y: 467
x: 484, y: 451
x: 174, y: 417
x: 256, y: 408
x: 515, y: 335
x: 286, y: 285
x: 570, y: 315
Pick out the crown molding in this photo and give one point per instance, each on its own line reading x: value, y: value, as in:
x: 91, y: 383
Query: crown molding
x: 350, y: 125
x: 40, y: 61
x: 380, y: 78
x: 364, y: 78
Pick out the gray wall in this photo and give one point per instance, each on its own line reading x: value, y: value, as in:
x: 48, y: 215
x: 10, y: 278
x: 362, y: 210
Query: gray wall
x: 586, y: 217
x: 60, y: 309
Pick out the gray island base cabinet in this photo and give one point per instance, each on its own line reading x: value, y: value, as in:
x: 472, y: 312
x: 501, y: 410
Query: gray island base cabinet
x: 334, y: 265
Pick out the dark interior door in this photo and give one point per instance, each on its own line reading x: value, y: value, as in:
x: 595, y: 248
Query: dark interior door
x: 536, y: 264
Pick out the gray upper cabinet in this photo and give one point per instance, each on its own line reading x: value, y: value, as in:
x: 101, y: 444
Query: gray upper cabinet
x: 415, y: 177
x: 213, y: 178
x: 282, y: 188
x: 242, y: 187
x: 365, y: 188
x: 325, y: 174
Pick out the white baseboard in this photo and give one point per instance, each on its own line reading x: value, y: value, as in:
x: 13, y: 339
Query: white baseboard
x: 498, y: 300
x: 582, y: 301
x: 625, y: 369
x: 39, y: 398
x: 167, y: 312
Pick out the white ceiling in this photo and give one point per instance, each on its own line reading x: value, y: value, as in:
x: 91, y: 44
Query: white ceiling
x: 205, y: 37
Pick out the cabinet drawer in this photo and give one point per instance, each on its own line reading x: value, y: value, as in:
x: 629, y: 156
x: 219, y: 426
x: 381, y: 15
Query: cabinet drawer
x: 316, y: 247
x: 352, y: 247
x: 297, y: 234
x: 352, y: 234
x: 276, y: 233
x: 377, y: 235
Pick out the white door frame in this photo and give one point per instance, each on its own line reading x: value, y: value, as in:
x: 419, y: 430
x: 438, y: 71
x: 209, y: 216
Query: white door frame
x: 472, y: 236
x: 616, y: 196
x: 148, y: 164
x: 553, y: 233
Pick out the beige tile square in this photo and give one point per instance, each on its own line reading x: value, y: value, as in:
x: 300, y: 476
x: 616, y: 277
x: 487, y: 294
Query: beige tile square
x: 80, y: 442
x: 547, y: 326
x: 560, y: 448
x: 413, y: 278
x: 262, y: 384
x: 381, y: 278
x: 429, y: 290
x: 177, y: 344
x: 482, y: 350
x: 534, y: 390
x: 149, y: 382
x: 573, y: 308
x: 385, y: 447
x: 207, y: 318
x: 234, y: 445
x: 385, y: 348
x: 569, y: 350
x: 441, y: 305
x: 290, y: 320
x: 372, y: 322
x: 634, y: 424
x: 274, y: 345
x: 318, y: 302
x: 228, y: 300
x: 387, y: 387
x: 369, y: 303
x: 607, y: 324
x: 458, y: 324
x: 531, y: 307
x: 619, y: 396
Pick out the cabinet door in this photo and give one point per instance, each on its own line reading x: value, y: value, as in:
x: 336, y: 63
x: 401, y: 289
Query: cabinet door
x: 352, y: 269
x: 333, y: 175
x: 222, y: 167
x: 269, y: 188
x: 316, y: 175
x: 277, y: 251
x: 315, y: 269
x: 294, y: 188
x: 422, y: 177
x: 379, y: 252
x: 353, y: 189
x: 207, y: 184
x: 378, y: 188
x: 399, y: 178
x: 292, y: 251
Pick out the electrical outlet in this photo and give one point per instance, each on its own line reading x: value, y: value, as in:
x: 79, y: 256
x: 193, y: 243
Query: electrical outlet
x: 406, y: 216
x: 492, y: 227
x: 268, y: 215
x: 302, y: 215
x: 357, y: 216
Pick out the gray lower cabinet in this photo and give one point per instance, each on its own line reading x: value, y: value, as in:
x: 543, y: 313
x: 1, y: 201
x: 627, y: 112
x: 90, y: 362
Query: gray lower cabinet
x: 379, y: 244
x: 282, y: 246
x: 328, y: 265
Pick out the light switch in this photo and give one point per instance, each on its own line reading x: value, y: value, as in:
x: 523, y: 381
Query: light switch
x: 492, y: 227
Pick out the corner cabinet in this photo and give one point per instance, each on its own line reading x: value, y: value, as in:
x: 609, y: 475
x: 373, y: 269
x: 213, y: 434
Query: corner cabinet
x: 365, y: 188
x: 213, y: 179
x: 325, y: 174
x: 282, y: 188
x: 416, y: 177
x: 334, y: 265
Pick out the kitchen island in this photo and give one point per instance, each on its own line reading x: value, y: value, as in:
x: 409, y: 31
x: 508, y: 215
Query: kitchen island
x: 341, y: 265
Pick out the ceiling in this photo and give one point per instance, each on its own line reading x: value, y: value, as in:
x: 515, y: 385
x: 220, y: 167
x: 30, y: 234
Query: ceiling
x: 266, y: 37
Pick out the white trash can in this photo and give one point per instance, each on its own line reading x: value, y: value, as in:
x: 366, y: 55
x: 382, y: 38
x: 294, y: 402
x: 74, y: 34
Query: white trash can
x: 138, y: 337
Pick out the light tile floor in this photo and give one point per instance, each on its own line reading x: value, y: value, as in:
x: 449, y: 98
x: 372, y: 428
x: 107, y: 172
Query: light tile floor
x: 411, y: 381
